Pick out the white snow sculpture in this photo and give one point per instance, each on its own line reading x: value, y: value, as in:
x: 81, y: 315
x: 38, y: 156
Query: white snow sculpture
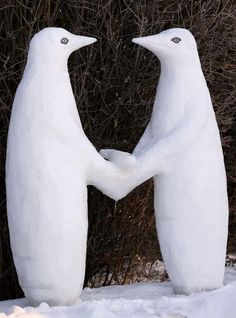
x: 182, y: 145
x: 49, y: 164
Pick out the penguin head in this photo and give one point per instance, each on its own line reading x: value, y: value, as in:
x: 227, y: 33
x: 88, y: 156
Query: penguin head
x: 56, y: 44
x: 175, y: 44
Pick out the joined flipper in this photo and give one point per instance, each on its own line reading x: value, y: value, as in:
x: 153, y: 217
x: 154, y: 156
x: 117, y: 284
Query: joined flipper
x: 123, y: 160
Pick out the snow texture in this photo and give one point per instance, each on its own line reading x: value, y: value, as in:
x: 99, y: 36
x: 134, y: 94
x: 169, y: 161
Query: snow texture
x: 181, y: 147
x: 136, y: 301
x: 50, y: 162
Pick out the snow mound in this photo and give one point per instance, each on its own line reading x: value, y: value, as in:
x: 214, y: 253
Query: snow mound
x: 142, y: 300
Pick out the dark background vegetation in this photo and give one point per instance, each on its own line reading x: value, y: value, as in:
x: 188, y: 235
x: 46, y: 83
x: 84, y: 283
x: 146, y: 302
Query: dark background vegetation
x: 114, y: 83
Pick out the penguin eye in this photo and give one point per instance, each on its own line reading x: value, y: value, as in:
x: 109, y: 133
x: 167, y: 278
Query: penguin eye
x: 176, y: 39
x: 64, y: 40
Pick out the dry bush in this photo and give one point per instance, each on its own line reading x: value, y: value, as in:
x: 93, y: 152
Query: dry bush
x: 114, y: 84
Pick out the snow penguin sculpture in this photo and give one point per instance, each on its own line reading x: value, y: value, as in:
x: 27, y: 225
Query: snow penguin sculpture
x: 50, y: 162
x: 182, y: 142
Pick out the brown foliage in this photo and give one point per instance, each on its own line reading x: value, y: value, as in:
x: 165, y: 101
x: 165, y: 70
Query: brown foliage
x: 114, y: 84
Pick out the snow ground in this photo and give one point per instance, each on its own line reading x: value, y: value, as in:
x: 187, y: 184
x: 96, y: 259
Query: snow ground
x: 142, y: 300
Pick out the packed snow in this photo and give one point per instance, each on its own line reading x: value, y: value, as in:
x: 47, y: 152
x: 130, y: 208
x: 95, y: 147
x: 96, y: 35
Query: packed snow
x: 192, y: 226
x: 47, y: 185
x: 182, y: 144
x: 141, y: 300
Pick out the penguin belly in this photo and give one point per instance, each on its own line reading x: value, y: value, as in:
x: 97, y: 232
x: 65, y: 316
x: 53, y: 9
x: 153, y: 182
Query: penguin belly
x: 191, y: 209
x: 47, y: 215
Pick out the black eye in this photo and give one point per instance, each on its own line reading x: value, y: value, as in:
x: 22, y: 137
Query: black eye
x: 64, y: 40
x: 176, y: 40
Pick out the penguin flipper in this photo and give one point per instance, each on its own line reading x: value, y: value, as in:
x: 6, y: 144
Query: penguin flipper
x: 123, y: 160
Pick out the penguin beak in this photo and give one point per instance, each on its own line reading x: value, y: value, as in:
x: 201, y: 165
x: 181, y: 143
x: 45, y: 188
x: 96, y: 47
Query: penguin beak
x: 81, y: 41
x: 148, y: 42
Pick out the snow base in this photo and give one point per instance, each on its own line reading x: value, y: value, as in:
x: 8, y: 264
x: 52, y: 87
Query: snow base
x: 142, y: 300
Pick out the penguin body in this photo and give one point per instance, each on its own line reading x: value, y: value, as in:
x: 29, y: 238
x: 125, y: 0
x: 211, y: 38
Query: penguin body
x: 49, y: 164
x: 181, y: 147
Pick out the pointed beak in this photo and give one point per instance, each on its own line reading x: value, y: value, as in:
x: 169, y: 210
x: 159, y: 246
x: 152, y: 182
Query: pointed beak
x: 148, y: 42
x: 81, y: 41
x: 138, y: 40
